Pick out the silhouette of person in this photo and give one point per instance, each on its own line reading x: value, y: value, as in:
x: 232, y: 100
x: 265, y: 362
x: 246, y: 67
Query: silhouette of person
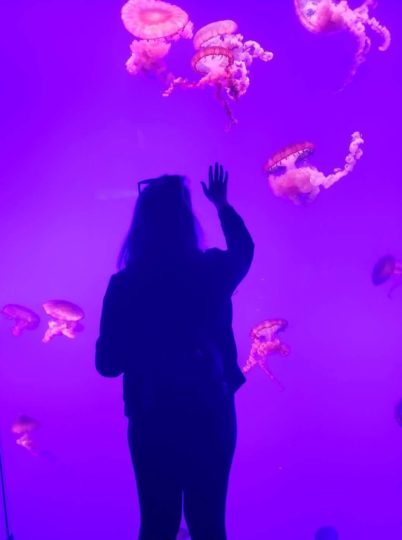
x: 166, y: 325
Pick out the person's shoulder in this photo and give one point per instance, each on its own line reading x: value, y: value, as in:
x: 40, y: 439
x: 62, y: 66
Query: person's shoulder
x: 120, y: 278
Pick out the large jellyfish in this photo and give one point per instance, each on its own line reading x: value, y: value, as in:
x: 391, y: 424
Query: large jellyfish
x: 290, y: 175
x: 223, y: 59
x: 24, y: 318
x: 24, y: 428
x: 387, y: 269
x: 332, y: 16
x: 265, y: 342
x: 65, y: 321
x: 156, y: 25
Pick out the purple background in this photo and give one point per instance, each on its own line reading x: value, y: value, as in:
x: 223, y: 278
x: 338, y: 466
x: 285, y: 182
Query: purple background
x: 75, y: 126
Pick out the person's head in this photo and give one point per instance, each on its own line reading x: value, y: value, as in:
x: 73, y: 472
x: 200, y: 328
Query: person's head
x: 163, y: 226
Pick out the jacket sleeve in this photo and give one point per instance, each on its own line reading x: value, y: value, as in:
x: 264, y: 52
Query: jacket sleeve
x: 240, y: 246
x: 110, y: 353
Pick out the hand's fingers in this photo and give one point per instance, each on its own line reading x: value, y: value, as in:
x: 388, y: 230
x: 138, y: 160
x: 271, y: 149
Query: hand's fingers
x: 204, y: 188
x: 220, y: 174
x: 216, y: 177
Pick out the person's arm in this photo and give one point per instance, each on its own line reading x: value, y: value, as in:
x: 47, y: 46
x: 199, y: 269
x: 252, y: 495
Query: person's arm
x: 110, y: 344
x: 240, y: 245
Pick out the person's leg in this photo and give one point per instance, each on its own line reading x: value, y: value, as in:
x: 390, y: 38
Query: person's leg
x: 209, y: 452
x: 155, y: 461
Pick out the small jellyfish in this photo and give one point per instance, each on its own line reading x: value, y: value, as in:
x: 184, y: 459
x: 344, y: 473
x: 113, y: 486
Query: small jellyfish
x: 387, y: 269
x: 334, y: 16
x: 326, y: 533
x: 24, y: 428
x: 290, y: 176
x: 24, y: 318
x: 65, y: 321
x: 155, y: 25
x: 265, y: 342
x: 223, y: 60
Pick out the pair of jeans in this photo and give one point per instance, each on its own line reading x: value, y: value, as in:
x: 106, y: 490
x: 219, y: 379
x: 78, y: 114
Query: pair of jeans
x: 182, y: 454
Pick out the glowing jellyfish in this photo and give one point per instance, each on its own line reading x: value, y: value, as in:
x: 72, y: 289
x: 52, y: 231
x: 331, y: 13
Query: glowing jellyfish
x: 387, y: 269
x: 223, y: 60
x: 65, y: 321
x: 291, y: 177
x: 326, y: 533
x: 265, y: 342
x: 23, y: 428
x: 24, y: 318
x: 156, y: 25
x: 332, y: 16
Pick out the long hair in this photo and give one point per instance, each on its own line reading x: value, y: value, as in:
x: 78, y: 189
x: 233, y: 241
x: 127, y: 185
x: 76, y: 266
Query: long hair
x: 163, y: 227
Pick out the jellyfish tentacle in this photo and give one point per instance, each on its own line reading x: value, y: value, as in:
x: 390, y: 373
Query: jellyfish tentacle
x: 355, y: 153
x: 382, y: 31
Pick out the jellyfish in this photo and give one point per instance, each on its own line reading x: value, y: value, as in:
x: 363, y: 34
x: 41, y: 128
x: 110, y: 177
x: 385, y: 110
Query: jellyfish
x: 223, y: 60
x: 332, y: 16
x: 326, y: 533
x: 65, y: 321
x: 155, y: 25
x: 290, y: 176
x: 265, y: 342
x: 23, y: 428
x: 386, y: 269
x: 24, y: 318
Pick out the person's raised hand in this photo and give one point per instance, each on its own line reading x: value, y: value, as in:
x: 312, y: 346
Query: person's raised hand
x: 217, y: 189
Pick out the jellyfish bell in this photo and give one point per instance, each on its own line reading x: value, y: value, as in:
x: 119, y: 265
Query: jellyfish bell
x: 320, y: 15
x: 268, y: 329
x: 212, y: 60
x: 155, y: 19
x: 24, y: 424
x: 289, y: 157
x: 213, y: 32
x: 24, y: 318
x: 288, y: 175
x: 155, y: 24
x: 65, y: 321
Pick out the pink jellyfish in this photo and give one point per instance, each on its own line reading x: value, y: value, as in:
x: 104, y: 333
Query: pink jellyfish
x: 290, y: 175
x: 265, y: 342
x: 24, y: 318
x: 332, y: 16
x: 387, y: 268
x: 23, y: 428
x: 156, y: 25
x: 223, y: 59
x: 65, y: 321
